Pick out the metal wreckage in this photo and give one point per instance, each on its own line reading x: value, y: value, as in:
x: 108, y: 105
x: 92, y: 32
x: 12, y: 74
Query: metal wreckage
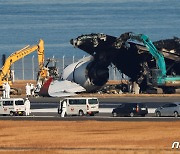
x: 151, y: 65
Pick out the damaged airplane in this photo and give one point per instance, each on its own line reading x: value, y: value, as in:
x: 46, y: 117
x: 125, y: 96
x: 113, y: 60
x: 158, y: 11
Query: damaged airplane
x: 55, y: 88
x: 150, y: 65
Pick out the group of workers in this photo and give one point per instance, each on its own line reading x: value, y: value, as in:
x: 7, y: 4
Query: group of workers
x: 30, y: 89
x: 6, y: 90
x: 29, y: 92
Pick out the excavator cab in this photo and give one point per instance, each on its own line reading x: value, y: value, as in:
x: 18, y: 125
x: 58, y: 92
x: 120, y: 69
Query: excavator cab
x: 48, y: 70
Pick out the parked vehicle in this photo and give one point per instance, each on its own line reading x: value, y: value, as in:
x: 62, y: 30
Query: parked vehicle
x: 12, y: 106
x: 169, y: 109
x: 80, y: 106
x: 130, y: 109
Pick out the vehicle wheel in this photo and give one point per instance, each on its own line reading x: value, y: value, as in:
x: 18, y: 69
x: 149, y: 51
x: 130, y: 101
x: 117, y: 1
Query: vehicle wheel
x: 131, y: 114
x: 143, y: 115
x: 158, y: 114
x: 11, y: 113
x: 81, y: 113
x: 114, y: 114
x: 92, y: 114
x: 24, y: 113
x: 176, y: 114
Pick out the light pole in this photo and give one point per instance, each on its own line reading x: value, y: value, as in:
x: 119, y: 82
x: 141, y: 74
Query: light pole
x: 33, y: 67
x: 53, y: 61
x: 23, y: 68
x: 73, y: 59
x: 63, y: 61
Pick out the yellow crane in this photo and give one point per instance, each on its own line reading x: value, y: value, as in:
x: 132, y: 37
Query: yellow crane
x: 5, y: 71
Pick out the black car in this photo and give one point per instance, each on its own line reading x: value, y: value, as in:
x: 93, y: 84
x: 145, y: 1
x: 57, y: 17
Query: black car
x: 130, y: 109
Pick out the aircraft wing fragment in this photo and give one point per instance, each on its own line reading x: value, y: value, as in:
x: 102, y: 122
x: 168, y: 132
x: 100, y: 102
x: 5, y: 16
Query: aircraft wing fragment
x: 56, y: 88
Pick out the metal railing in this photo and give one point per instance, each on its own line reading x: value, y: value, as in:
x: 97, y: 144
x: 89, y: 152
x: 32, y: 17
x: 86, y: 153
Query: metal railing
x: 27, y: 67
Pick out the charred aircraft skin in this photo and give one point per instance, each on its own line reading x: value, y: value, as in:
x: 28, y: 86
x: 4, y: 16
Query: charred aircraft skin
x: 130, y: 57
x: 142, y: 61
x: 171, y: 51
x: 172, y: 45
x: 99, y: 46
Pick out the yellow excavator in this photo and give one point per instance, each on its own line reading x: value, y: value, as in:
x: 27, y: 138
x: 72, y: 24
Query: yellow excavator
x: 5, y: 71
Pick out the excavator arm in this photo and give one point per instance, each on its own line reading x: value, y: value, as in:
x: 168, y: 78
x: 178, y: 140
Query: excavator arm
x: 40, y: 53
x: 162, y: 79
x: 152, y: 49
x: 5, y: 70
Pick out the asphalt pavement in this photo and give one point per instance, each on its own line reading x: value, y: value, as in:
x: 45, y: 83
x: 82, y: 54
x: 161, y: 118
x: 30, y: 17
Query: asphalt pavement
x: 45, y: 108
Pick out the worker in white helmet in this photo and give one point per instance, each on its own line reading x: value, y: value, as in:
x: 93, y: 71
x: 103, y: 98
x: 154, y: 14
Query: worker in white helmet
x: 27, y: 104
x: 7, y: 90
x: 64, y: 106
x: 32, y: 89
x: 28, y: 90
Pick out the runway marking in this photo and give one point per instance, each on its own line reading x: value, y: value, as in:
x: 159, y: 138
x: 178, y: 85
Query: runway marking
x: 45, y: 110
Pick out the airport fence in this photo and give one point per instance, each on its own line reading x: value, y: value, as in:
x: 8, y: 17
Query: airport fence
x: 27, y: 67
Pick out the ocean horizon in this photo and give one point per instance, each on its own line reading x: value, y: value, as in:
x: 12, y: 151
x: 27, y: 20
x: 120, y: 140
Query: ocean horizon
x: 56, y: 22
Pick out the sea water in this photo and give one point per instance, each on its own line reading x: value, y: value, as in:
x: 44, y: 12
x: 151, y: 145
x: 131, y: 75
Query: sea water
x: 24, y: 22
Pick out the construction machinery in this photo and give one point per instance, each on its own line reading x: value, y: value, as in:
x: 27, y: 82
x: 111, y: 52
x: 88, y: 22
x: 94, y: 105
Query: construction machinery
x: 43, y: 73
x: 158, y: 76
x: 46, y: 70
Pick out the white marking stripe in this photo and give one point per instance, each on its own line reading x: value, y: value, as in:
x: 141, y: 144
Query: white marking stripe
x: 101, y: 110
x: 45, y: 110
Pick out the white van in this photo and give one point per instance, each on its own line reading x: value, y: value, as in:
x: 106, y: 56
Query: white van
x: 80, y: 106
x: 12, y: 106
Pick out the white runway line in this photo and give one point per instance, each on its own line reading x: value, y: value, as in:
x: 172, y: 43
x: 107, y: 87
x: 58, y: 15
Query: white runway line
x: 45, y: 110
x: 101, y: 110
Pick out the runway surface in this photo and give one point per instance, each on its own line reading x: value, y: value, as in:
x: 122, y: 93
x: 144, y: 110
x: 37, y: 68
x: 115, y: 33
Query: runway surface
x: 45, y: 108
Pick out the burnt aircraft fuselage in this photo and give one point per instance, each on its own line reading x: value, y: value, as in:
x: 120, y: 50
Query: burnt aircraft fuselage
x: 130, y: 57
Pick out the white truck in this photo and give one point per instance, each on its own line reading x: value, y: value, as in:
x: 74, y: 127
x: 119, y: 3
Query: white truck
x: 12, y: 106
